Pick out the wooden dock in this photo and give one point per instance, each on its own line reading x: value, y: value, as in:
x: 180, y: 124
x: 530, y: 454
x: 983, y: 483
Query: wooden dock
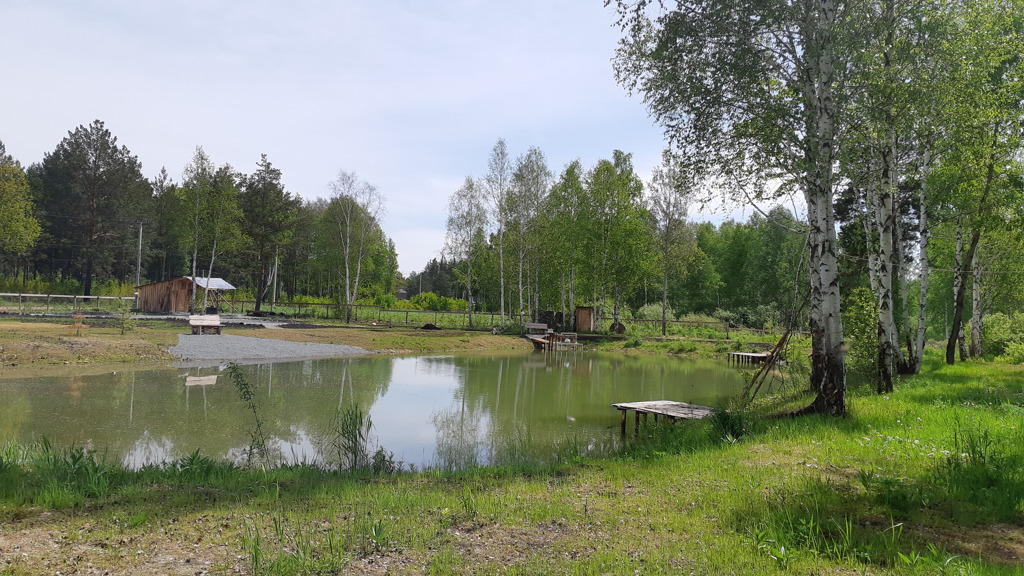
x: 554, y: 341
x: 667, y: 408
x: 748, y: 357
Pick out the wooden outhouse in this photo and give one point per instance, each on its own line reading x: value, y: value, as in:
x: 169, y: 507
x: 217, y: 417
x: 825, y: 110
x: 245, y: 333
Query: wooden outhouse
x: 175, y: 295
x: 584, y: 318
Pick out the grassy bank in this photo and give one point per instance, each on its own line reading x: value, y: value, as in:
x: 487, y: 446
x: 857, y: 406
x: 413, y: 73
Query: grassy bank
x: 927, y: 480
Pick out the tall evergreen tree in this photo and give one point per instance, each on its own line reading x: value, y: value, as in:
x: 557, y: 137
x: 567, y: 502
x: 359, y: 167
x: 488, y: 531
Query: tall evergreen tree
x: 267, y: 212
x: 93, y: 194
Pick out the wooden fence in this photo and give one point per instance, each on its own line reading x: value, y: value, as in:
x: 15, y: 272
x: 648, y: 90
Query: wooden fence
x: 29, y: 303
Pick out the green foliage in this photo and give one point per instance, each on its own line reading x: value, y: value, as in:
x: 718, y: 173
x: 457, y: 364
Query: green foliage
x: 860, y: 330
x: 19, y: 228
x: 431, y: 301
x: 386, y: 301
x: 653, y: 312
x: 1001, y: 331
x: 89, y: 187
x: 1013, y: 354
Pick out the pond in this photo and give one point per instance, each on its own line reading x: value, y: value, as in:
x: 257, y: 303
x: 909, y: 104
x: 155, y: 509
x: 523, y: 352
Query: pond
x: 448, y: 412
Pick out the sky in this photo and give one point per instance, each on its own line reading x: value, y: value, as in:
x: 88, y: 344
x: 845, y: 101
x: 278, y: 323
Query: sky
x: 409, y: 95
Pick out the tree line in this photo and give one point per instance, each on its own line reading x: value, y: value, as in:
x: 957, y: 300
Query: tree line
x: 86, y: 212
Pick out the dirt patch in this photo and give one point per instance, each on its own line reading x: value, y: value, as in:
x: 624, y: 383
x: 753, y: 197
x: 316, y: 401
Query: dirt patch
x: 56, y: 343
x: 1000, y: 542
x: 50, y: 544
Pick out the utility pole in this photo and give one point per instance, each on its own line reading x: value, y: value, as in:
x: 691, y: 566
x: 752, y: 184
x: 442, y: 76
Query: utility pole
x: 274, y: 297
x: 138, y: 268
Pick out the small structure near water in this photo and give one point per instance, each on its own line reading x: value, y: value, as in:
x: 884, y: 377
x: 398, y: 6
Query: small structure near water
x: 671, y: 410
x: 748, y: 357
x: 175, y: 295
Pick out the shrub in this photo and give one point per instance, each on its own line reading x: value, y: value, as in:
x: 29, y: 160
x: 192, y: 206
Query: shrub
x: 726, y: 316
x: 860, y: 328
x: 431, y: 301
x: 1013, y: 354
x: 653, y: 312
x: 386, y: 301
x: 1000, y: 331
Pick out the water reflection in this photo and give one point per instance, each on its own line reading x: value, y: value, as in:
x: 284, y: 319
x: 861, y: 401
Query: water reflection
x: 448, y: 412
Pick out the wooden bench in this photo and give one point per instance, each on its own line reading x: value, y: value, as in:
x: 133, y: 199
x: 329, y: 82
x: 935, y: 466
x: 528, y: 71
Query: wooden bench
x: 205, y: 324
x: 535, y: 328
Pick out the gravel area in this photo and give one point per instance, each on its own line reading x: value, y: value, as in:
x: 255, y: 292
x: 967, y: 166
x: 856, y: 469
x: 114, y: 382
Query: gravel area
x: 211, y: 349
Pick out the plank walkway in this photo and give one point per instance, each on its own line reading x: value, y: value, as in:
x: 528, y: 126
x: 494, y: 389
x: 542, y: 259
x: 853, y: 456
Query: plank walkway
x: 748, y: 357
x: 671, y: 410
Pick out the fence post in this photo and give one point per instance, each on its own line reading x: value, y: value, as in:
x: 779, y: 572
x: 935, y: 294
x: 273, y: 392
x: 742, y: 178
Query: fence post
x: 47, y: 303
x: 726, y: 330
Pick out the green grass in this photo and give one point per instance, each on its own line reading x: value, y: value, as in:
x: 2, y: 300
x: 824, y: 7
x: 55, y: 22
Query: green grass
x: 927, y: 480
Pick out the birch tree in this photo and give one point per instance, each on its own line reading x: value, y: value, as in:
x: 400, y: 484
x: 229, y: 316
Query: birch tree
x: 355, y: 209
x: 498, y: 184
x: 992, y: 101
x: 195, y: 189
x: 667, y: 204
x: 467, y: 218
x: 531, y: 181
x: 755, y: 88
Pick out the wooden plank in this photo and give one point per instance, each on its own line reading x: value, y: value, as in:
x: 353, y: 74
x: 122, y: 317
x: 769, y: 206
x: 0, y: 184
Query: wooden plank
x: 200, y: 380
x: 666, y: 408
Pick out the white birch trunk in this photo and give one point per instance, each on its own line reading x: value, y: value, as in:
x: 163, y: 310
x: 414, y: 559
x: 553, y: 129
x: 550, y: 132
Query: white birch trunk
x: 923, y: 237
x: 977, y: 314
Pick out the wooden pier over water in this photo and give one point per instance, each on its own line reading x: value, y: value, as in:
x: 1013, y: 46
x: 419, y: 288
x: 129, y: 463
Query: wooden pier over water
x: 667, y: 408
x: 551, y: 340
x: 748, y: 357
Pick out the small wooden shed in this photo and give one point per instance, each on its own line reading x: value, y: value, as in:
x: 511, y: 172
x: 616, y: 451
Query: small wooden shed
x: 175, y: 295
x: 584, y: 318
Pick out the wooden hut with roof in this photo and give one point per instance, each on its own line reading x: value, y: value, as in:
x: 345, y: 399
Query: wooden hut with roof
x: 175, y: 295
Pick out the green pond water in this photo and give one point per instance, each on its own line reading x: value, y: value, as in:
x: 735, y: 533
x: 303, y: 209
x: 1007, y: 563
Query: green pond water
x: 448, y: 411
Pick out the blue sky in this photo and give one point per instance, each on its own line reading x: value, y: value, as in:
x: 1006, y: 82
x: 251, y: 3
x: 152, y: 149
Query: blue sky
x: 409, y: 95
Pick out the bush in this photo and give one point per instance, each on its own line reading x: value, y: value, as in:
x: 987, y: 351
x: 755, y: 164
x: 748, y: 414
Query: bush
x: 431, y: 301
x: 726, y: 316
x: 407, y: 305
x: 1000, y: 331
x: 860, y: 328
x: 653, y: 312
x: 1013, y: 354
x: 386, y: 301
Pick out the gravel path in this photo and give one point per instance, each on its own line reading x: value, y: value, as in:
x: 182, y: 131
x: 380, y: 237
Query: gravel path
x: 209, y: 349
